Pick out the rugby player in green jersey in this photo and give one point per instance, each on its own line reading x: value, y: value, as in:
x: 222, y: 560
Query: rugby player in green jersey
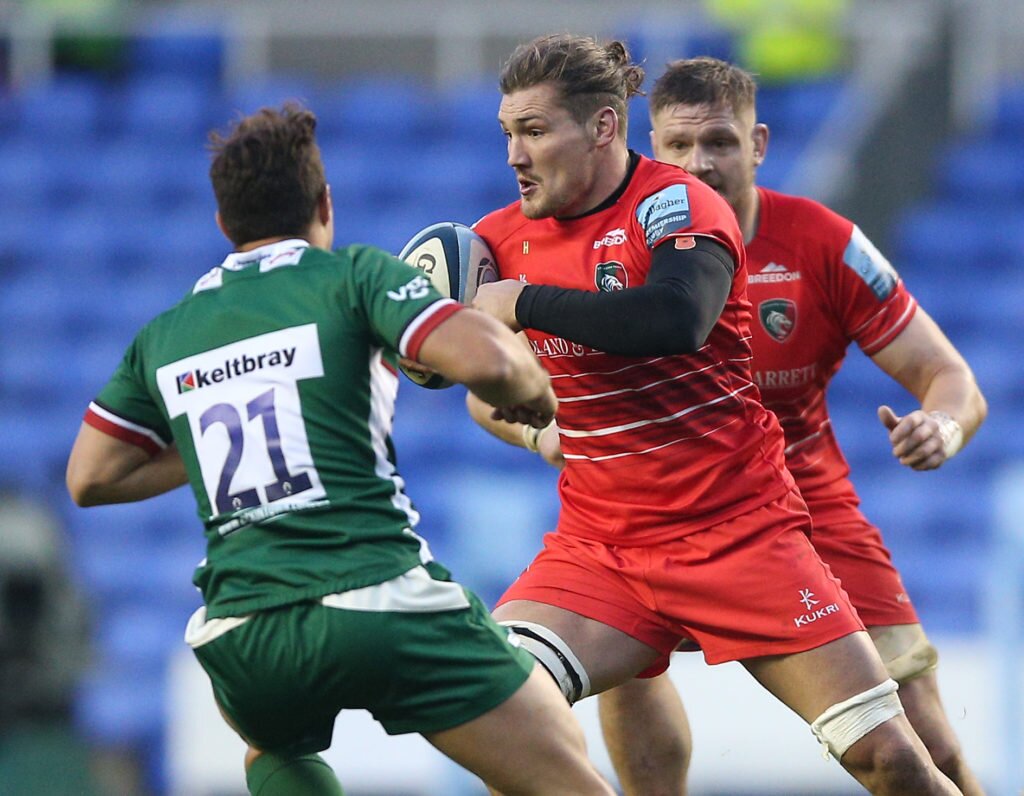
x: 270, y: 389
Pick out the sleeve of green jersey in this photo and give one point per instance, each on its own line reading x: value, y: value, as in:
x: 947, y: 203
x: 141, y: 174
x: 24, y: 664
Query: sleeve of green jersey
x: 126, y: 395
x: 394, y: 296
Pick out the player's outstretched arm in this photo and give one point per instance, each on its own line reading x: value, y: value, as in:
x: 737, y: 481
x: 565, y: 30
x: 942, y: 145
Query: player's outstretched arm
x: 926, y: 363
x: 474, y: 349
x: 103, y: 469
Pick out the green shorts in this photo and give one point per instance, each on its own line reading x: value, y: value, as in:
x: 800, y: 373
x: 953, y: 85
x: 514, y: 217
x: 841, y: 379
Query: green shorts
x: 420, y: 652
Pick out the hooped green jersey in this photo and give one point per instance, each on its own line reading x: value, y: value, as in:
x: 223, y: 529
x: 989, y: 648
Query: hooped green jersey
x: 276, y: 378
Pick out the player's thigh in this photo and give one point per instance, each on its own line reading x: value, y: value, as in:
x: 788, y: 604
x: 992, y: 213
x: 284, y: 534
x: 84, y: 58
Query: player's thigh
x: 530, y: 743
x: 259, y: 673
x: 810, y: 682
x: 608, y: 655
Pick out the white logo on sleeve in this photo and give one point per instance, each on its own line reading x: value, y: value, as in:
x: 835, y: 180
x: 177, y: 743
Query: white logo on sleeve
x: 416, y: 288
x: 870, y: 265
x: 665, y: 212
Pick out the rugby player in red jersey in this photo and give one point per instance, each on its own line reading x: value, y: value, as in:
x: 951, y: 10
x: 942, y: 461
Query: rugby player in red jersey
x: 678, y: 517
x: 816, y: 284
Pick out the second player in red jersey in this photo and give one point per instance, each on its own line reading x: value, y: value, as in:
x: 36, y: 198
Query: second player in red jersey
x: 816, y: 284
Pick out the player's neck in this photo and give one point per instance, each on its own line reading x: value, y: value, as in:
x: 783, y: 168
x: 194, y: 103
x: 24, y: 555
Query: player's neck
x: 610, y: 179
x: 748, y: 213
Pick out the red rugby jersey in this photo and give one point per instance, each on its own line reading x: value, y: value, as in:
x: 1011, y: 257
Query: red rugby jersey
x: 816, y: 283
x: 655, y: 447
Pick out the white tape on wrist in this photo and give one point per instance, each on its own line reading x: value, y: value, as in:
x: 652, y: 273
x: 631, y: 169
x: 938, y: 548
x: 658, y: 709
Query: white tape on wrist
x: 531, y: 436
x: 952, y: 434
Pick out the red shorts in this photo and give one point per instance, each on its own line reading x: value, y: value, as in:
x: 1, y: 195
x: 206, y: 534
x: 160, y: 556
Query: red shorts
x: 857, y: 556
x: 744, y: 588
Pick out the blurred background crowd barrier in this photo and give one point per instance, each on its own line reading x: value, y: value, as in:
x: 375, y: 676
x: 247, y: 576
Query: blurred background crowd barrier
x: 906, y: 116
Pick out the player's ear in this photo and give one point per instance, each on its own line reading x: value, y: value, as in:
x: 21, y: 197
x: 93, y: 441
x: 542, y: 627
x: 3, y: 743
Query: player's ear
x: 325, y: 206
x: 760, y: 135
x: 606, y: 125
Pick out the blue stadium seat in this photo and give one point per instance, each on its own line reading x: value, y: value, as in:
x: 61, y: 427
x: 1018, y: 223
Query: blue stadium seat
x: 795, y: 110
x: 638, y: 133
x: 467, y: 111
x: 67, y: 109
x: 1009, y: 116
x: 957, y: 238
x: 783, y: 157
x: 177, y: 46
x: 165, y: 108
x: 391, y: 110
x: 25, y: 177
x: 141, y: 174
x: 971, y: 172
x: 35, y: 439
x: 121, y: 707
x: 271, y: 91
x: 121, y: 573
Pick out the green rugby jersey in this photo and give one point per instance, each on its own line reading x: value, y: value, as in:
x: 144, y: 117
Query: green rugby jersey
x: 276, y: 377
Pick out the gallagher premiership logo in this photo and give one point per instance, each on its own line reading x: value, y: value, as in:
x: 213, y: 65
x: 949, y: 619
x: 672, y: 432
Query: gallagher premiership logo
x: 778, y: 317
x: 611, y: 276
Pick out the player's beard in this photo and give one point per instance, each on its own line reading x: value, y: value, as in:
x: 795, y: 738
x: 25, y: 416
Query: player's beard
x: 541, y: 203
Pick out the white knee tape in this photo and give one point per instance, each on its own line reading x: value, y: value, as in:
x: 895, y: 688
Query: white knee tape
x: 846, y: 722
x: 554, y: 655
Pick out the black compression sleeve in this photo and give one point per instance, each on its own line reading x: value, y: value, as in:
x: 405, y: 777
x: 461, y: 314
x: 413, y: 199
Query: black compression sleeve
x: 672, y: 313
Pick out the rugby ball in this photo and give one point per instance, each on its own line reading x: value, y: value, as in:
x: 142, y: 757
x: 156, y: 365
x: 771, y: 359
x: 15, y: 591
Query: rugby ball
x: 457, y: 261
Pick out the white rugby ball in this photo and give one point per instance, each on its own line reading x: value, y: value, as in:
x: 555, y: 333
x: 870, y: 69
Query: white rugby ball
x: 457, y: 261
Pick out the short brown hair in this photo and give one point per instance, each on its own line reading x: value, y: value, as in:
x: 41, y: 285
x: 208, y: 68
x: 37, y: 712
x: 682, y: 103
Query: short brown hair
x: 704, y: 81
x: 267, y: 174
x: 589, y: 75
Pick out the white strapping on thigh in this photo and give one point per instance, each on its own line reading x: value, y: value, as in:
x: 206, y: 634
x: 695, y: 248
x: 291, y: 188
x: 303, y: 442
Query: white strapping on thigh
x: 846, y: 722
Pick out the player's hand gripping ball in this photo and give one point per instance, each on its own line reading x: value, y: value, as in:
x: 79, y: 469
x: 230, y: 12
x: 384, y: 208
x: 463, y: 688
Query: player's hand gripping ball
x: 457, y: 261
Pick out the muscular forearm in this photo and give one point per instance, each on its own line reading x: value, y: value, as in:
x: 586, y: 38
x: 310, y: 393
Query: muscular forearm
x: 102, y: 471
x: 482, y: 414
x: 478, y: 351
x: 954, y: 391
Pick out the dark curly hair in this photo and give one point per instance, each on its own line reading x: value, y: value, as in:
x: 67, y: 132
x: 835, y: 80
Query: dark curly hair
x: 267, y: 174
